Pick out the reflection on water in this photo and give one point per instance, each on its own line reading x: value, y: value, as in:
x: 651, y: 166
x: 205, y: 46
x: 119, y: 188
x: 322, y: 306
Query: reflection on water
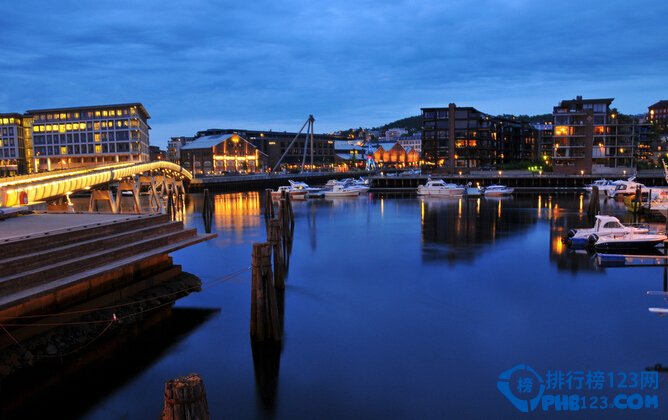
x: 399, y: 307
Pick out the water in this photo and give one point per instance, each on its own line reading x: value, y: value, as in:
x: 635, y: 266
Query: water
x: 398, y: 307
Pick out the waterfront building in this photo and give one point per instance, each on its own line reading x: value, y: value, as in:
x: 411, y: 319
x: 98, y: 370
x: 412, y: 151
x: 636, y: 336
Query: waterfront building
x: 592, y: 138
x: 275, y: 143
x: 14, y: 155
x: 88, y: 135
x: 155, y: 153
x: 221, y: 153
x: 349, y: 153
x: 658, y: 112
x: 456, y: 138
x: 388, y: 154
x: 411, y: 142
x: 174, y: 148
x: 544, y: 141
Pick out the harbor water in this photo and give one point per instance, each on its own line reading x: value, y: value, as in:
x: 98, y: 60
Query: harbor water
x: 403, y: 307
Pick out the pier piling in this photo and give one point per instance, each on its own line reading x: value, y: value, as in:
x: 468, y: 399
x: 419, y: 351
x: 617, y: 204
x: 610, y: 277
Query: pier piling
x: 274, y: 238
x: 185, y: 398
x: 265, y: 323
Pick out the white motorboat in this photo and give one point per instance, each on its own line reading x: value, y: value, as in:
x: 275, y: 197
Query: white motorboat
x: 623, y: 188
x: 497, y: 190
x: 295, y: 194
x: 311, y: 192
x: 627, y: 241
x: 341, y: 191
x: 603, y: 185
x: 603, y: 226
x: 438, y: 187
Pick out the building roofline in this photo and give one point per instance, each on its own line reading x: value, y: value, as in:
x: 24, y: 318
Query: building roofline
x: 82, y: 108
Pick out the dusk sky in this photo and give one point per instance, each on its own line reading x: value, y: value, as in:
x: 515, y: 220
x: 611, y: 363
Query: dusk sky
x: 268, y: 64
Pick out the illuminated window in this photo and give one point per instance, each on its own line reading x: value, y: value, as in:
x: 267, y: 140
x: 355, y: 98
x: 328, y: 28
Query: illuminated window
x: 125, y: 123
x: 104, y: 113
x: 61, y: 128
x: 97, y: 137
x: 63, y: 116
x: 119, y: 123
x: 69, y: 127
x: 119, y: 112
x: 82, y: 126
x: 561, y: 130
x: 76, y: 115
x: 599, y: 129
x: 63, y: 150
x: 5, y: 121
x: 96, y: 125
x: 98, y: 148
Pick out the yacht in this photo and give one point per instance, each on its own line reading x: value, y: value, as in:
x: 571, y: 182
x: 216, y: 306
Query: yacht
x: 623, y: 188
x: 472, y: 191
x: 603, y: 226
x: 627, y: 241
x: 602, y: 185
x: 341, y: 191
x: 438, y: 187
x: 295, y: 194
x: 497, y: 190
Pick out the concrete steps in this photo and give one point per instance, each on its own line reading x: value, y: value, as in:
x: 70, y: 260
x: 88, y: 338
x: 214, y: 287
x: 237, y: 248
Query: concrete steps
x: 37, y: 242
x: 49, y: 272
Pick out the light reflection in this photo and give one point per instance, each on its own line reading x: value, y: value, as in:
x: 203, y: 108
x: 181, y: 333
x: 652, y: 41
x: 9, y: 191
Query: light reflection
x: 581, y: 204
x: 540, y: 204
x: 232, y: 210
x: 498, y: 211
x: 382, y: 207
x: 459, y: 209
x: 422, y: 213
x: 477, y: 206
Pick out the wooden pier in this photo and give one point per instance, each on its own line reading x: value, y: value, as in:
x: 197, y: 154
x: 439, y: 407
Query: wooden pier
x: 51, y: 263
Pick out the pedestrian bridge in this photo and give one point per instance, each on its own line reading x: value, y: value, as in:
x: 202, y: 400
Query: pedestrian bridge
x: 50, y: 186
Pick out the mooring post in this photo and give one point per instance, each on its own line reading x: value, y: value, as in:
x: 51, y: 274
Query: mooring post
x: 207, y: 210
x: 268, y: 204
x: 274, y: 238
x: 291, y: 214
x: 264, y: 323
x: 593, y: 202
x: 185, y: 399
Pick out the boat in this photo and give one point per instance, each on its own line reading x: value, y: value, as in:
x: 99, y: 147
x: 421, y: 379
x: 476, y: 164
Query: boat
x: 603, y: 226
x: 311, y: 192
x: 626, y: 241
x: 472, y: 191
x: 295, y: 194
x: 438, y: 187
x: 623, y: 188
x: 602, y: 185
x: 497, y: 190
x: 341, y: 191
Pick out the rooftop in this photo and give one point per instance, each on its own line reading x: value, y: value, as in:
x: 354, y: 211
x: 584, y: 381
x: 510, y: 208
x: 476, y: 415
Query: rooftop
x: 91, y: 107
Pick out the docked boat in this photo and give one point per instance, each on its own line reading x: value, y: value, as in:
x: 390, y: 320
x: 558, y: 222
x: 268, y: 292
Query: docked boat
x: 603, y: 226
x: 338, y: 191
x: 497, y: 190
x: 623, y: 188
x: 295, y: 194
x: 628, y: 241
x: 438, y: 187
x: 603, y: 185
x: 472, y: 191
x: 311, y: 192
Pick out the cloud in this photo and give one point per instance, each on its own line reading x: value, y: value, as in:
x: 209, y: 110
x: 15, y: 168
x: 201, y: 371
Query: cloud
x: 350, y: 63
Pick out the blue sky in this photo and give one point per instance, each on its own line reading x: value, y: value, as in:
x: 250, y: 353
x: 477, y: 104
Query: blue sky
x: 268, y: 64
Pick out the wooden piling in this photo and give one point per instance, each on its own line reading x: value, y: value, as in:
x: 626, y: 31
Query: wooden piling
x: 594, y: 203
x: 268, y: 205
x: 274, y: 237
x: 185, y: 399
x: 265, y: 322
x: 207, y: 210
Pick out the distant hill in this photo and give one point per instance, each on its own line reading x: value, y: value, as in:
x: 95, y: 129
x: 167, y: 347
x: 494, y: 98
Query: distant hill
x: 409, y: 123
